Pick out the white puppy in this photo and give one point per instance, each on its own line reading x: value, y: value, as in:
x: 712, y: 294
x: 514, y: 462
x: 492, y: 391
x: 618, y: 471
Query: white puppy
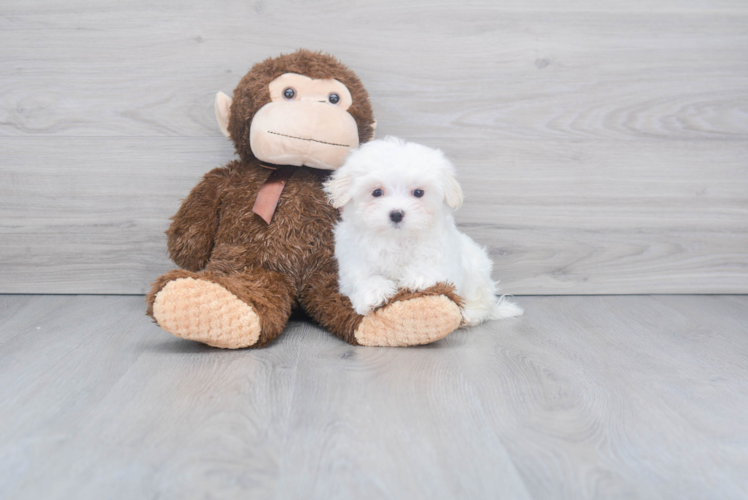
x: 397, y: 230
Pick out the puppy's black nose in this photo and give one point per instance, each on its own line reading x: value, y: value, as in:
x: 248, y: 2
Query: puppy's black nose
x: 396, y: 216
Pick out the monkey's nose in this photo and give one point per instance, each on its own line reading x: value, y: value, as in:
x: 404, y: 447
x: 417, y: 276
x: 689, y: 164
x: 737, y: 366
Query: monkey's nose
x: 396, y: 216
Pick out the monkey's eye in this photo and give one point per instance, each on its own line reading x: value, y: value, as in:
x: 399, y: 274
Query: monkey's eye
x: 289, y: 93
x: 333, y: 98
x: 377, y: 193
x: 418, y: 193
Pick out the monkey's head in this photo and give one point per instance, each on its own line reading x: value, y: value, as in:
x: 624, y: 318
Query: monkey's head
x: 302, y: 109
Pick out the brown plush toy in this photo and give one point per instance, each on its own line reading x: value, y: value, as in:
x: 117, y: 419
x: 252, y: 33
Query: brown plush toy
x: 255, y: 238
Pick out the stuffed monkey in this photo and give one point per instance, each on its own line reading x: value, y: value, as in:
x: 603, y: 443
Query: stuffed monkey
x: 254, y: 239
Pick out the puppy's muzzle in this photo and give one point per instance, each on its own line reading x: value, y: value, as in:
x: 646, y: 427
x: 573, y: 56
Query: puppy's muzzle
x: 397, y: 216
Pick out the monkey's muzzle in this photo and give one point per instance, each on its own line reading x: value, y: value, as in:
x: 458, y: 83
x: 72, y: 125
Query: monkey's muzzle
x: 303, y: 133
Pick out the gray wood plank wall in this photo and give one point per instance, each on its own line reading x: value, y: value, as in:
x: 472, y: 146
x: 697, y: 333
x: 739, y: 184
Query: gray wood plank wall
x: 602, y: 146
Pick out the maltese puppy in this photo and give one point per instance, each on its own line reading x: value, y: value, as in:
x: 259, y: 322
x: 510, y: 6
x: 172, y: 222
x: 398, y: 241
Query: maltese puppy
x: 397, y: 230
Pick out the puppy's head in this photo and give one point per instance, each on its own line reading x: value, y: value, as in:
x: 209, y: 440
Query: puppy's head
x: 390, y: 185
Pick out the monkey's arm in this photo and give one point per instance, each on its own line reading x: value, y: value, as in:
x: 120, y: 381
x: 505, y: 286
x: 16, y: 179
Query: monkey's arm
x: 193, y: 229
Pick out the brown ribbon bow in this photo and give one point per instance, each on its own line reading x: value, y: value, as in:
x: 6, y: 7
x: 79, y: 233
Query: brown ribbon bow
x: 269, y: 193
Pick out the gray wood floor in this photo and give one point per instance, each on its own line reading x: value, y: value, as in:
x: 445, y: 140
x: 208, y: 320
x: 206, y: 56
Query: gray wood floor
x: 609, y: 397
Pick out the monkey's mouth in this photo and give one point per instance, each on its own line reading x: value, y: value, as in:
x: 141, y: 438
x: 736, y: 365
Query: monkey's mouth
x: 310, y: 140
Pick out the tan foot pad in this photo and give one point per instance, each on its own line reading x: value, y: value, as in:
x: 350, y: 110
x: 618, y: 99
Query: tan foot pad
x: 410, y: 322
x: 200, y: 310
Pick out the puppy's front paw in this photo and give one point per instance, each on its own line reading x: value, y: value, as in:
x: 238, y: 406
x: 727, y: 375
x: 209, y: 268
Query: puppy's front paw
x: 417, y: 282
x: 372, y: 293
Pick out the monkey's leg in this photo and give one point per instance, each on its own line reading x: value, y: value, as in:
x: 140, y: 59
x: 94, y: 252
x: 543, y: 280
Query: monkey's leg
x: 230, y: 311
x: 409, y: 318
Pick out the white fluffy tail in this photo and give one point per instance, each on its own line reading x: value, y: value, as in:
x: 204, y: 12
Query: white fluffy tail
x: 506, y: 309
x: 479, y: 290
x: 476, y: 312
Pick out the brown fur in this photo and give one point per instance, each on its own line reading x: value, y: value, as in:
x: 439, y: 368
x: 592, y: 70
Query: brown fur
x: 446, y: 289
x: 215, y: 236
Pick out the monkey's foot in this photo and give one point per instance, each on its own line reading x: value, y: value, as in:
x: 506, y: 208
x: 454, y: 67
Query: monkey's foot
x: 203, y: 311
x: 412, y: 319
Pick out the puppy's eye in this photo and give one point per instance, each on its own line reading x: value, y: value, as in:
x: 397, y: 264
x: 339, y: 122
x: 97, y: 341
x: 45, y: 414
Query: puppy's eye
x: 418, y: 193
x: 377, y: 193
x: 289, y: 93
x: 333, y: 98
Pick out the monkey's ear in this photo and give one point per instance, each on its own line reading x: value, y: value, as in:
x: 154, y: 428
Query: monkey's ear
x: 452, y: 189
x: 338, y: 188
x: 223, y: 112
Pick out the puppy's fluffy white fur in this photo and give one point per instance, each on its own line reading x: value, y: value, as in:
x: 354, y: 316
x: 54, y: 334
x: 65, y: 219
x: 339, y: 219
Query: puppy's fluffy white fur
x: 379, y: 254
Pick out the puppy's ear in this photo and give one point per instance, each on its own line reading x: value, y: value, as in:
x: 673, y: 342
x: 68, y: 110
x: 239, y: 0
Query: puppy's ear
x: 338, y: 188
x: 452, y: 189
